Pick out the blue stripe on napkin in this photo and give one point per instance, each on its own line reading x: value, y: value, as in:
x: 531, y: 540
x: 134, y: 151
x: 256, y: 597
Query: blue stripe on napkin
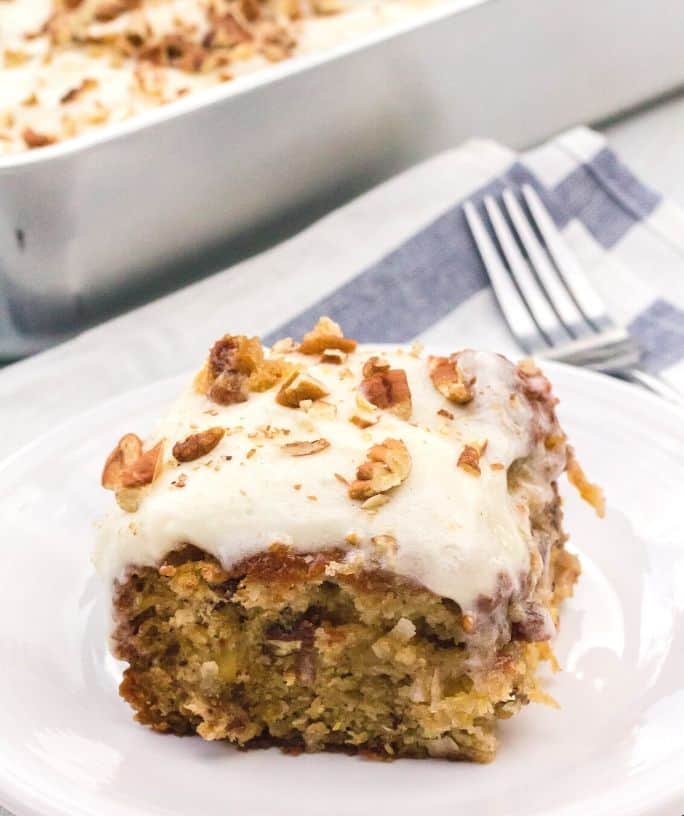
x: 605, y: 196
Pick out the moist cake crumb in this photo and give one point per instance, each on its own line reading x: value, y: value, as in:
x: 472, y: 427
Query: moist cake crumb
x: 401, y: 610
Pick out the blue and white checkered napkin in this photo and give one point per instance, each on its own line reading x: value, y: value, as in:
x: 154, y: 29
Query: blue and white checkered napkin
x: 395, y: 264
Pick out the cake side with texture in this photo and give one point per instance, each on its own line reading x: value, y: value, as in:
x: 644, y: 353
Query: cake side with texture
x: 327, y: 546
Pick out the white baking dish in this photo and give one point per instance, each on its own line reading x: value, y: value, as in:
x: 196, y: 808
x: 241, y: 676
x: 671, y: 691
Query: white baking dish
x: 87, y: 221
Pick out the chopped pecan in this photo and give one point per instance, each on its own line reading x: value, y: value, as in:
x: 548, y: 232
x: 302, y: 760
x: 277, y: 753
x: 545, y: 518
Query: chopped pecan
x: 111, y: 9
x: 325, y: 335
x: 386, y: 387
x: 144, y: 470
x: 177, y: 51
x: 229, y: 388
x: 87, y: 84
x: 469, y: 460
x: 449, y: 380
x: 306, y: 448
x: 375, y: 365
x: 268, y: 373
x: 387, y: 466
x: 127, y: 451
x: 32, y: 138
x: 128, y: 468
x: 334, y: 356
x: 225, y: 31
x: 298, y: 387
x: 235, y: 353
x: 197, y: 444
x: 363, y: 422
x: 251, y: 9
x: 232, y: 360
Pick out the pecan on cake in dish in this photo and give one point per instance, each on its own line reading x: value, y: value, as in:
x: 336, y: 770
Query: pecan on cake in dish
x: 327, y: 546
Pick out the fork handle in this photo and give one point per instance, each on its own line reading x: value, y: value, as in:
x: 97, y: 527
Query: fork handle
x: 652, y: 383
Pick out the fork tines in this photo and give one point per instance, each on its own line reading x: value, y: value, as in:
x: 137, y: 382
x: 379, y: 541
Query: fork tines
x: 547, y: 301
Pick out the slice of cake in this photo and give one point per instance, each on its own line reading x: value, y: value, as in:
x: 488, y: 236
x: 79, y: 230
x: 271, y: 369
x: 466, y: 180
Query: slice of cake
x: 327, y: 546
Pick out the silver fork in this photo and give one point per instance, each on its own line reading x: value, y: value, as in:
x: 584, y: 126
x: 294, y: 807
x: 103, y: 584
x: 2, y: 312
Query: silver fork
x: 549, y: 305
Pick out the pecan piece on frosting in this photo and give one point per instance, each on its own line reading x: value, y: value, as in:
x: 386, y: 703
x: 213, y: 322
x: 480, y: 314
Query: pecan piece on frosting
x: 85, y: 85
x: 449, y: 380
x: 387, y: 466
x: 268, y: 373
x: 225, y: 31
x: 334, y: 356
x: 128, y: 468
x: 111, y: 9
x: 197, y: 444
x: 236, y: 366
x: 306, y: 448
x: 144, y: 470
x: 326, y: 335
x: 363, y: 422
x: 300, y: 387
x: 33, y: 138
x: 225, y: 376
x: 127, y: 451
x: 469, y: 459
x: 386, y: 387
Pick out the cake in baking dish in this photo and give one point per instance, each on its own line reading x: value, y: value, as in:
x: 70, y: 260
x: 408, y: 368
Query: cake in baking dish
x: 327, y: 546
x: 68, y: 67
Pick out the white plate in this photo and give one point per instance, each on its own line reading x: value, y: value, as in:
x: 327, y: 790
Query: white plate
x: 68, y: 746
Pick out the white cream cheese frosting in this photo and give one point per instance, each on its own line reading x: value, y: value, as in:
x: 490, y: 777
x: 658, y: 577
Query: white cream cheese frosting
x: 456, y: 533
